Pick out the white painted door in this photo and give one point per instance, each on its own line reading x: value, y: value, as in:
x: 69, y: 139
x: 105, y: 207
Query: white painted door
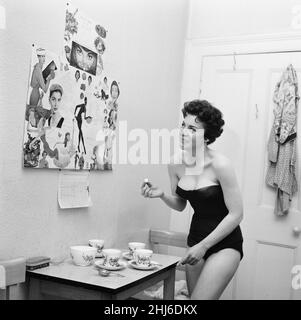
x: 242, y: 88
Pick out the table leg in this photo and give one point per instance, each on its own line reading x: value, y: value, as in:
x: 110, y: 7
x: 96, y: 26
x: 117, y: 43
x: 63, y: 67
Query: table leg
x: 35, y: 290
x: 169, y: 285
x: 4, y: 294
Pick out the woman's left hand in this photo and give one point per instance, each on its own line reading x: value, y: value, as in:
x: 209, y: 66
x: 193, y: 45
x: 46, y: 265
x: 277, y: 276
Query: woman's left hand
x: 194, y: 254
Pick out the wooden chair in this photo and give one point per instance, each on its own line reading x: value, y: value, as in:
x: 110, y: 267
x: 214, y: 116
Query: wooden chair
x: 167, y: 242
x: 12, y: 273
x: 165, y: 238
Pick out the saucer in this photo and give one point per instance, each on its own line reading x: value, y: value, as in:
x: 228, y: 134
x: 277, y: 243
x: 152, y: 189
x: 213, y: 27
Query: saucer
x: 153, y: 265
x: 127, y: 255
x: 99, y: 255
x: 122, y: 265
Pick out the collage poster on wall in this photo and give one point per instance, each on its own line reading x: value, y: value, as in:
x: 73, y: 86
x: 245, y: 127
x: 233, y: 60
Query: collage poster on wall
x: 72, y: 104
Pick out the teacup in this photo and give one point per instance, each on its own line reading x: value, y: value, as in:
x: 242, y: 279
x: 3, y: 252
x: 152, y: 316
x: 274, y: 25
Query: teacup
x: 98, y: 244
x: 142, y: 257
x: 111, y: 257
x: 83, y: 255
x: 134, y: 246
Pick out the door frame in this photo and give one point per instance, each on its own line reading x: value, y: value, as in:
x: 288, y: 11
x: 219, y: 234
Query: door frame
x: 197, y: 49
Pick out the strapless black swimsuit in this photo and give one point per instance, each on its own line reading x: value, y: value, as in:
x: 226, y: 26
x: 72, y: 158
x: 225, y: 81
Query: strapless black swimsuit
x: 209, y: 210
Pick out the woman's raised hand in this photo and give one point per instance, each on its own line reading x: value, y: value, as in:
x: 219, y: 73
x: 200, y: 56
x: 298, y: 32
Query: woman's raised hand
x: 148, y: 190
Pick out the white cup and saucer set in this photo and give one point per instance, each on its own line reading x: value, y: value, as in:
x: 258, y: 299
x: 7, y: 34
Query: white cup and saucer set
x: 128, y: 255
x: 142, y: 260
x: 137, y: 257
x: 111, y: 260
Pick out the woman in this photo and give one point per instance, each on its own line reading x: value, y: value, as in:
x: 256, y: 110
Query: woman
x: 100, y: 47
x: 61, y: 156
x: 53, y: 117
x: 43, y: 163
x: 102, y: 89
x: 105, y: 89
x: 114, y: 91
x: 112, y: 119
x: 37, y: 80
x: 113, y: 105
x: 66, y: 150
x: 108, y: 151
x: 215, y: 240
x: 79, y: 119
x: 77, y: 75
x: 55, y: 120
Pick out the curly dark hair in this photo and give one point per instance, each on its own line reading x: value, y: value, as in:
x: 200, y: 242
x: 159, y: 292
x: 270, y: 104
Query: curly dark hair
x: 210, y: 116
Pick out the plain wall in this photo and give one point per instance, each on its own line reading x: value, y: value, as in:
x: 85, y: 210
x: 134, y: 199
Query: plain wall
x: 146, y: 55
x: 219, y: 19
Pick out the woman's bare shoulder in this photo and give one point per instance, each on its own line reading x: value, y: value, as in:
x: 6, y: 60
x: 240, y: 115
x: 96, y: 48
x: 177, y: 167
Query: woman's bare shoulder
x: 220, y: 161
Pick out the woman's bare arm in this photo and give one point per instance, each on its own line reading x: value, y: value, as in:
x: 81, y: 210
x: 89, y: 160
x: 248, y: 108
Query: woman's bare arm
x: 173, y: 201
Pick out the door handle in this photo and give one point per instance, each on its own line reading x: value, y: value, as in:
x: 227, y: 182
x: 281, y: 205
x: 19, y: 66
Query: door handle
x: 297, y: 231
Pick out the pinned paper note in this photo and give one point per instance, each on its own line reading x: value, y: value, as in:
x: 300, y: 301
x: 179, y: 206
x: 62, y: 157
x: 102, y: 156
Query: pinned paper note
x: 74, y: 190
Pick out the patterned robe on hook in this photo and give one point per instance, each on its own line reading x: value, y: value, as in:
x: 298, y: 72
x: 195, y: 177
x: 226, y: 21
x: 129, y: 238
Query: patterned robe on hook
x: 282, y: 156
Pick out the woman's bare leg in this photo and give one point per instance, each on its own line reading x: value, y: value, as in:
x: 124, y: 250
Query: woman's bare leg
x: 216, y: 274
x: 192, y: 274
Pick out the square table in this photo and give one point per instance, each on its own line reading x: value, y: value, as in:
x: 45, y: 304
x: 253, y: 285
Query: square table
x: 69, y: 281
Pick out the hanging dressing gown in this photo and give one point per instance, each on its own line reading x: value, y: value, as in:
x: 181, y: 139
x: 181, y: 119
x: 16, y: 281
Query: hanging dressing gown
x: 282, y: 155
